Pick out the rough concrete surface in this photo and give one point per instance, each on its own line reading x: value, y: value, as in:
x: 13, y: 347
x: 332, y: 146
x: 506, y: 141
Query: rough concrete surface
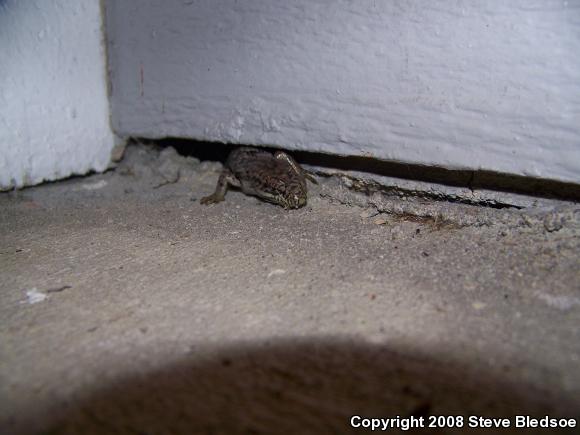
x: 127, y: 307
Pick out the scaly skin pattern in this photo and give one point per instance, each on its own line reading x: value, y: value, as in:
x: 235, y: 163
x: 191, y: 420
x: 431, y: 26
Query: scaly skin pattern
x: 275, y: 178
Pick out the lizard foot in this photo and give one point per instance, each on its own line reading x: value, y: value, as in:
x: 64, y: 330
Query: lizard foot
x: 211, y: 199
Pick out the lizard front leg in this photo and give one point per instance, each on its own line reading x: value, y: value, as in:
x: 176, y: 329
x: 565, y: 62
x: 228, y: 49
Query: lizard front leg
x: 226, y: 178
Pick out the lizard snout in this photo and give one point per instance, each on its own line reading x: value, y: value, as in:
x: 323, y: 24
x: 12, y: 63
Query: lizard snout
x: 297, y: 201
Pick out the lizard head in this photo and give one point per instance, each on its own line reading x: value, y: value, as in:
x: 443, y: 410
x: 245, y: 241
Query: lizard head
x: 295, y: 201
x: 292, y: 195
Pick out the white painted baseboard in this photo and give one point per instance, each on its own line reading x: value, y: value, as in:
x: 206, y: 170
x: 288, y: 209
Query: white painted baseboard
x: 491, y: 85
x: 54, y: 112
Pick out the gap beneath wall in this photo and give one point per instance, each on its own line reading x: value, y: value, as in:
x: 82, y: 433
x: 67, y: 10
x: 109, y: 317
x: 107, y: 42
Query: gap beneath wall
x: 369, y: 175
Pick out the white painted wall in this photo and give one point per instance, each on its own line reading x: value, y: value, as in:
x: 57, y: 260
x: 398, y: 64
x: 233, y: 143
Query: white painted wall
x: 491, y: 85
x: 54, y: 114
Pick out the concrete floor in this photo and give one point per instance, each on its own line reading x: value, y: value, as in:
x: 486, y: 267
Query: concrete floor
x: 126, y: 307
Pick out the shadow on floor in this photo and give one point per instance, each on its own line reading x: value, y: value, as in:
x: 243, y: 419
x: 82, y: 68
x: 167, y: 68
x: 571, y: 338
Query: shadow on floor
x: 297, y: 387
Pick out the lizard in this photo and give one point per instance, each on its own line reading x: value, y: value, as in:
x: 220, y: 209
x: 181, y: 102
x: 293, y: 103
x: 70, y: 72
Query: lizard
x: 275, y: 178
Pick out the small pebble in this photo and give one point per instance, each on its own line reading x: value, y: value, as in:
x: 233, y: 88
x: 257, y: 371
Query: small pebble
x: 368, y: 213
x: 381, y: 220
x: 479, y: 305
x: 276, y: 272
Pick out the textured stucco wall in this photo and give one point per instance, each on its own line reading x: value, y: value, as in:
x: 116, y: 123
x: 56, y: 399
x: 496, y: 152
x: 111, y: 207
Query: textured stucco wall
x: 491, y: 85
x: 54, y: 113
